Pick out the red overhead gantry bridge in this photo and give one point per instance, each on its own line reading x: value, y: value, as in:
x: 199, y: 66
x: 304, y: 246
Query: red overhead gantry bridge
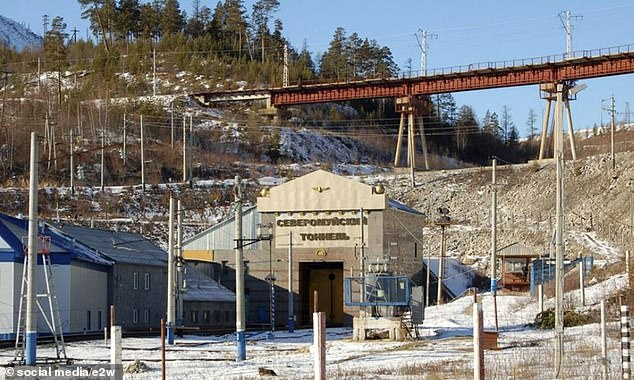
x: 548, y: 72
x: 541, y: 70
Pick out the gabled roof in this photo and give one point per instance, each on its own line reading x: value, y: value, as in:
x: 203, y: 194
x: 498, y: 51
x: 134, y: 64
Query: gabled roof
x: 63, y: 249
x: 402, y: 207
x: 519, y: 250
x: 120, y: 247
x: 321, y: 191
x: 457, y: 277
x: 203, y: 288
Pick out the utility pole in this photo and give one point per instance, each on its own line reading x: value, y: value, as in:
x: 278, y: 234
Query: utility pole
x: 39, y: 75
x: 567, y: 23
x: 427, y: 276
x: 559, y: 242
x: 4, y: 98
x: 170, y: 276
x: 422, y: 43
x: 494, y: 231
x: 103, y: 160
x: 31, y: 286
x: 191, y: 150
x: 184, y: 150
x: 172, y: 125
x: 362, y: 259
x: 291, y: 312
x: 153, y: 72
x: 612, y: 127
x: 72, y: 162
x: 285, y: 73
x: 179, y: 262
x: 443, y: 222
x: 125, y: 156
x: 142, y: 159
x: 239, y: 262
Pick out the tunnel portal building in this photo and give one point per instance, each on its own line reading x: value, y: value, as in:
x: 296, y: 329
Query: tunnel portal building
x: 315, y: 228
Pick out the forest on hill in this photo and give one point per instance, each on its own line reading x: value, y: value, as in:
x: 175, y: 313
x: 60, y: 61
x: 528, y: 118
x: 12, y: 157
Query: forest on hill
x: 68, y: 84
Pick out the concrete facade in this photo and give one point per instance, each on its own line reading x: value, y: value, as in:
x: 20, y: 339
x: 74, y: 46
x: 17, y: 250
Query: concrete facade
x: 332, y: 220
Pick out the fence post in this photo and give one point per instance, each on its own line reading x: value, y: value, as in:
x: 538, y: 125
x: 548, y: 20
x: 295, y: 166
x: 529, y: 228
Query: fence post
x: 115, y: 345
x: 319, y: 358
x: 604, y: 343
x: 478, y: 348
x: 581, y: 282
x: 625, y: 342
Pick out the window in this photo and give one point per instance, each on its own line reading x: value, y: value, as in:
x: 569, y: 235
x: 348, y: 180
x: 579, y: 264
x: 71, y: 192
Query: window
x: 135, y: 280
x: 147, y: 281
x: 88, y: 320
x: 216, y: 315
x: 227, y: 315
x: 515, y: 265
x: 146, y: 316
x: 206, y: 316
x: 99, y: 319
x: 194, y: 316
x: 224, y: 270
x: 135, y: 316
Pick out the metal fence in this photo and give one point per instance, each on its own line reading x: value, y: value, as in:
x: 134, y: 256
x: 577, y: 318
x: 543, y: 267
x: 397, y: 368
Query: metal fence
x: 377, y: 290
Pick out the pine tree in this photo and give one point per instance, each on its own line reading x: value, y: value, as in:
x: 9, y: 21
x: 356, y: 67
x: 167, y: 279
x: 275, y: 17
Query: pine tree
x: 530, y: 122
x: 466, y: 126
x: 172, y: 19
x: 333, y: 62
x: 127, y: 20
x: 101, y: 14
x: 491, y: 125
x: 506, y: 123
x: 149, y: 20
x: 55, y: 50
x: 304, y: 66
x: 234, y: 25
x: 262, y: 10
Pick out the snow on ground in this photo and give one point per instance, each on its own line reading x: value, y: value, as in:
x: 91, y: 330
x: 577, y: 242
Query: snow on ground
x: 444, y: 350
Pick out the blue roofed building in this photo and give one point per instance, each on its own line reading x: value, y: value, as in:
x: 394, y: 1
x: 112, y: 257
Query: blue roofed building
x: 137, y: 279
x: 80, y: 278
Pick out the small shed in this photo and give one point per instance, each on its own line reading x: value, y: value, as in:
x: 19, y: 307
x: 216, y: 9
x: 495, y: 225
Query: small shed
x: 515, y: 269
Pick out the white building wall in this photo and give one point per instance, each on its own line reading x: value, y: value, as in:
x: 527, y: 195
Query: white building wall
x: 89, y: 293
x: 78, y: 289
x: 8, y: 299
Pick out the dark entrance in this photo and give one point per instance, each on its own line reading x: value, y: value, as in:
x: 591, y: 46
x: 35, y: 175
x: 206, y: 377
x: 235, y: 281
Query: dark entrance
x: 327, y: 279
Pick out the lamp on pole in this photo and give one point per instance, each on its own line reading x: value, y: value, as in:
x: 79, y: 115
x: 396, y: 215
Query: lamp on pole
x: 265, y: 232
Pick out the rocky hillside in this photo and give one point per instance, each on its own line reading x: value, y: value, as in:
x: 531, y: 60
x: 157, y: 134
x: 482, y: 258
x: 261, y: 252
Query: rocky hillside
x: 597, y: 205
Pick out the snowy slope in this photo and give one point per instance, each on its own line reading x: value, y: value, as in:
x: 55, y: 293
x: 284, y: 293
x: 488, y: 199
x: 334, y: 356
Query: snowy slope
x: 17, y: 36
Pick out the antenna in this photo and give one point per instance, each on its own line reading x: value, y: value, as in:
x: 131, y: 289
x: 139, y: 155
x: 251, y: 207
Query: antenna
x: 568, y: 27
x: 422, y: 43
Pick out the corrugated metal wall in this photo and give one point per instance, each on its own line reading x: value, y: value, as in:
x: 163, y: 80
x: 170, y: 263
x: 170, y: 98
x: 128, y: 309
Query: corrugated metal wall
x: 222, y: 235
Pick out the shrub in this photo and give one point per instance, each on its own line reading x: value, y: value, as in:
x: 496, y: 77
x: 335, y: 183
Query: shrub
x: 546, y: 319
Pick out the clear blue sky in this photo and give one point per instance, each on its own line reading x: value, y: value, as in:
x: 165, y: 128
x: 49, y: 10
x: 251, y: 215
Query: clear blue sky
x: 467, y: 32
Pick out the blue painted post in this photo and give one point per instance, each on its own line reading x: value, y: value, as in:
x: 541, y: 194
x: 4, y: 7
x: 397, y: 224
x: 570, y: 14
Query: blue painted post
x: 533, y: 280
x: 31, y: 262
